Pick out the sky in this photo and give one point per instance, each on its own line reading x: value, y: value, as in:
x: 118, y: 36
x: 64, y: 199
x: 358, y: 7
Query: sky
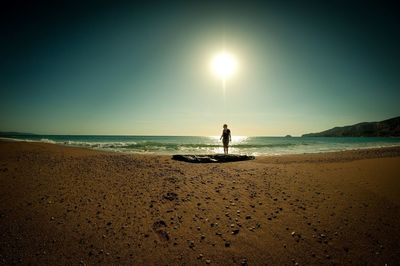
x: 129, y: 68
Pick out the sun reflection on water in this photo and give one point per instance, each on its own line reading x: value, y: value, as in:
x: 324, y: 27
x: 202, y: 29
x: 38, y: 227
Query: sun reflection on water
x: 236, y: 140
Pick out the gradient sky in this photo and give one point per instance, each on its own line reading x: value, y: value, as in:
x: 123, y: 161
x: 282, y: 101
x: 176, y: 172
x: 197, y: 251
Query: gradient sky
x: 112, y: 67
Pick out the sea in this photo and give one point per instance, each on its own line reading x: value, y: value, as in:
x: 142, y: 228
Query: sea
x: 169, y: 145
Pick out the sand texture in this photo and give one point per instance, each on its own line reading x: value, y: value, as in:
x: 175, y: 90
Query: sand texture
x: 69, y: 206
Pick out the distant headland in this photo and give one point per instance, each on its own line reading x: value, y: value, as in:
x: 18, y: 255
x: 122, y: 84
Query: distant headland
x: 385, y: 128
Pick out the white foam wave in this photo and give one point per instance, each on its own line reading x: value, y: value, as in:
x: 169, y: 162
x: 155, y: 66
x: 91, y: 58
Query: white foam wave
x: 48, y: 141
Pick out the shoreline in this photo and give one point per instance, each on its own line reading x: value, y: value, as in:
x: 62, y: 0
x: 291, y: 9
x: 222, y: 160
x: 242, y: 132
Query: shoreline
x: 385, y: 149
x: 64, y: 205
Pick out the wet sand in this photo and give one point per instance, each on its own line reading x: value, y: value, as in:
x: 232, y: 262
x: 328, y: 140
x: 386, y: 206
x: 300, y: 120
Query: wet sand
x: 68, y: 206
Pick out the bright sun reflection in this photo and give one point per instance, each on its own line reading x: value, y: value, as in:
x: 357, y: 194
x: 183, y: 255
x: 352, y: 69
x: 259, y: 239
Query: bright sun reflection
x: 234, y: 148
x: 235, y: 139
x: 224, y: 65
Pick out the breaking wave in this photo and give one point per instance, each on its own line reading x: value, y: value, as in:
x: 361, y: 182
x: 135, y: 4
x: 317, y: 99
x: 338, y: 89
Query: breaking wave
x: 203, y: 145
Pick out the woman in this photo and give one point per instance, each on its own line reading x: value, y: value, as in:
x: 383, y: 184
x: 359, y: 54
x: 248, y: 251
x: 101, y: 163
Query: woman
x: 226, y: 137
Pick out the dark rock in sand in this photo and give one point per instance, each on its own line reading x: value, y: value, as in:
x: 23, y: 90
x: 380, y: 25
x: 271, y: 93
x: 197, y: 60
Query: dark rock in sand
x: 158, y: 224
x: 213, y: 158
x: 159, y: 227
x: 170, y: 196
x: 163, y: 234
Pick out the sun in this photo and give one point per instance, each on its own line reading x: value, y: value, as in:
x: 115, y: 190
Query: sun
x: 224, y: 65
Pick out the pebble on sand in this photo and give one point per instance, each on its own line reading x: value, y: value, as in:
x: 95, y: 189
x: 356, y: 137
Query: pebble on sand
x: 235, y: 232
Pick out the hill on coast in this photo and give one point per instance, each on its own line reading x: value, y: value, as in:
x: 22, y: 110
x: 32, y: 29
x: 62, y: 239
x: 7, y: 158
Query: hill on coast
x: 385, y: 128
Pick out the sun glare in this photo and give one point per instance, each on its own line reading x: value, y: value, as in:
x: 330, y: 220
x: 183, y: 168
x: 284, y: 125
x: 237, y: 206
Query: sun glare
x: 224, y: 65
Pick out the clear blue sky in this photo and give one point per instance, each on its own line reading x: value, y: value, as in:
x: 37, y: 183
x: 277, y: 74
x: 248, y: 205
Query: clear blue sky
x: 120, y: 68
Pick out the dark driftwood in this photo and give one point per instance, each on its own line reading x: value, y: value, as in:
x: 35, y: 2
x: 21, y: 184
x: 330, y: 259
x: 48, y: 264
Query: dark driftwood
x: 214, y: 158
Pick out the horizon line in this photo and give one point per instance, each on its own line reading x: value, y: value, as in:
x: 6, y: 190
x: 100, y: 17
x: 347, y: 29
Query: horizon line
x: 133, y: 135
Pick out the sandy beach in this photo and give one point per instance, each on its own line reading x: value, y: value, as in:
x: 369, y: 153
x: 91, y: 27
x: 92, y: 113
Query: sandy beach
x: 67, y: 206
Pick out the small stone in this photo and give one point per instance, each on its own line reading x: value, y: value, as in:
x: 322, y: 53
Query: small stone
x: 200, y: 256
x: 208, y: 261
x: 248, y: 217
x: 235, y: 232
x: 227, y: 244
x: 170, y: 196
x: 163, y: 234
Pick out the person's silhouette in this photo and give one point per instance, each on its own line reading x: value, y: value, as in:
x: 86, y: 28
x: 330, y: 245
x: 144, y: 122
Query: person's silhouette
x: 226, y: 138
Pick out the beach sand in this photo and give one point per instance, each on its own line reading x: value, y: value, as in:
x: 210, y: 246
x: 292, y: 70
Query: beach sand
x: 67, y: 206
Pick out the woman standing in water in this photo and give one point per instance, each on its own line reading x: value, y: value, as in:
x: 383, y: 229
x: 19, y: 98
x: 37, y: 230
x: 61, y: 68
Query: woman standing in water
x: 226, y: 137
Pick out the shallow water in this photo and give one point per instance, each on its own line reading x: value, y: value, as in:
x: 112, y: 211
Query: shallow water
x: 212, y: 144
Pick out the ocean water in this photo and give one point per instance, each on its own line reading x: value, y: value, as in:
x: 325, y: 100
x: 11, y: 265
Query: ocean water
x: 212, y: 144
